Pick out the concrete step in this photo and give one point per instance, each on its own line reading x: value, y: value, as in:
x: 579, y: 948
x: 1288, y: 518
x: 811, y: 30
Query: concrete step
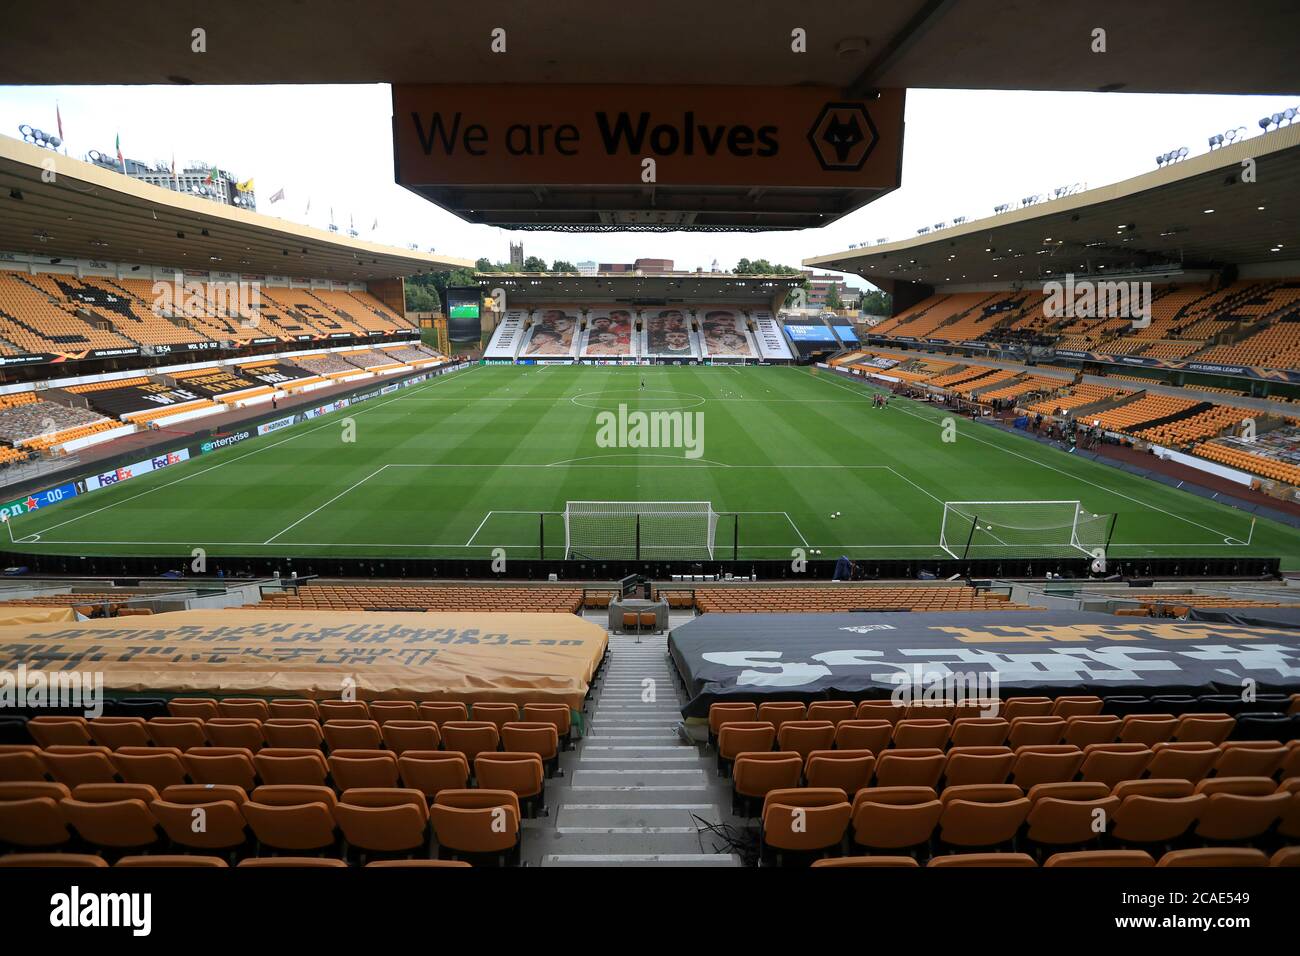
x: 641, y: 859
x: 633, y: 794
x: 629, y: 793
x: 636, y: 706
x: 601, y: 762
x: 638, y: 840
x: 628, y: 815
x: 680, y: 777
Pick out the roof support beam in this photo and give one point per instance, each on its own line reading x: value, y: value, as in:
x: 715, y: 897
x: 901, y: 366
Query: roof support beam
x: 864, y: 87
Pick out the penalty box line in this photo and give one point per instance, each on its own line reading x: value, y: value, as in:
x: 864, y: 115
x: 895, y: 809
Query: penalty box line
x: 313, y: 511
x: 1226, y: 538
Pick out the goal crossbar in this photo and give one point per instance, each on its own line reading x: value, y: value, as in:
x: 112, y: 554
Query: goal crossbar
x: 1026, y: 528
x: 662, y: 530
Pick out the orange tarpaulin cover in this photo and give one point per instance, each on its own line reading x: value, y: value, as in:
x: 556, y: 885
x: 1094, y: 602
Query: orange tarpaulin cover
x: 34, y: 614
x: 540, y: 658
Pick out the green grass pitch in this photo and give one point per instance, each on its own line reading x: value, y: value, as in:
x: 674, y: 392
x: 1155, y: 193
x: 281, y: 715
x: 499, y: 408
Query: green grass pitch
x: 463, y: 464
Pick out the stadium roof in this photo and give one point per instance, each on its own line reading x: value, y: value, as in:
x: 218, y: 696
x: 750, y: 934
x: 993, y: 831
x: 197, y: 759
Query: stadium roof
x: 1193, y: 46
x: 89, y: 212
x: 1158, y: 219
x: 720, y: 287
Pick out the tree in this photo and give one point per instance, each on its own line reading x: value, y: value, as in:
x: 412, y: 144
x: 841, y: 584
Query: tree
x: 833, y: 300
x: 762, y: 267
x: 560, y: 265
x: 436, y: 283
x: 534, y: 264
x: 420, y: 298
x: 876, y: 302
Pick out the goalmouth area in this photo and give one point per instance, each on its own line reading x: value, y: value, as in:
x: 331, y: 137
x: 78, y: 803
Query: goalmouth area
x: 482, y: 464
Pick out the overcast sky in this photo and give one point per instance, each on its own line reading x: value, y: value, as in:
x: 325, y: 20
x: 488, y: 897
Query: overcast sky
x: 964, y: 152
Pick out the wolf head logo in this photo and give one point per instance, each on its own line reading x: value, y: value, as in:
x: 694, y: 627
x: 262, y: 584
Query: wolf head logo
x: 842, y: 135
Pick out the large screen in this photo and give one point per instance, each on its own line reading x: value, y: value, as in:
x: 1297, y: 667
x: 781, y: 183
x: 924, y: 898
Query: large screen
x: 464, y: 319
x: 810, y: 333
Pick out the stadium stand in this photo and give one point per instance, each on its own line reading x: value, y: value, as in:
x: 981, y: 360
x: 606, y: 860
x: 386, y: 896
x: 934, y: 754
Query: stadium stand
x: 1247, y: 457
x: 278, y: 374
x: 308, y: 309
x: 223, y: 384
x: 370, y: 360
x: 54, y: 312
x: 925, y: 319
x: 41, y: 424
x: 942, y: 783
x: 1193, y: 424
x: 551, y: 333
x: 608, y: 333
x: 31, y: 320
x: 197, y: 308
x: 833, y: 599
x: 359, y: 308
x: 723, y: 332
x: 1242, y: 323
x: 141, y: 399
x: 327, y: 364
x: 448, y: 598
x: 415, y: 355
x: 111, y: 305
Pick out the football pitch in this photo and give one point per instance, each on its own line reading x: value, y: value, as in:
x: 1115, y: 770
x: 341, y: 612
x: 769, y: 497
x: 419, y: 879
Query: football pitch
x: 487, y: 458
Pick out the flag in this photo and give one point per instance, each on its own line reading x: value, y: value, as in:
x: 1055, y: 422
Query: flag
x: 175, y: 178
x: 376, y: 225
x: 308, y: 209
x: 277, y: 195
x: 245, y: 187
x: 120, y: 161
x: 58, y: 118
x: 212, y: 175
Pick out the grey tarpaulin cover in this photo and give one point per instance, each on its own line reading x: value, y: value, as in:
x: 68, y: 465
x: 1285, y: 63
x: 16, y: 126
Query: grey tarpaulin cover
x: 814, y: 656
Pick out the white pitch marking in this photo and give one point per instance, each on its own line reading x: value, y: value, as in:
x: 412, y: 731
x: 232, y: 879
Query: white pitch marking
x: 326, y: 505
x: 1042, y: 464
x: 255, y: 451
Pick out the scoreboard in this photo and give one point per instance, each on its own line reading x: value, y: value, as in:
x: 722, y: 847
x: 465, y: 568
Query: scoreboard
x: 464, y: 313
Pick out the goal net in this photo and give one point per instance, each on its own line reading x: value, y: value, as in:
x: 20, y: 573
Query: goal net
x: 989, y: 529
x: 645, y: 530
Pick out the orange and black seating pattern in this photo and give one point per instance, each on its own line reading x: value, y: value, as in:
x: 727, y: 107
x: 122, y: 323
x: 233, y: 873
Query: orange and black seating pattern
x: 45, y: 312
x: 1027, y: 775
x: 89, y: 603
x: 345, y: 781
x: 1178, y: 605
x: 806, y: 600
x: 363, y: 597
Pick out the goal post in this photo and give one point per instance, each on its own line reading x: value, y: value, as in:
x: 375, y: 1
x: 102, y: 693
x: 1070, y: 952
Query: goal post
x: 640, y: 530
x: 993, y: 529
